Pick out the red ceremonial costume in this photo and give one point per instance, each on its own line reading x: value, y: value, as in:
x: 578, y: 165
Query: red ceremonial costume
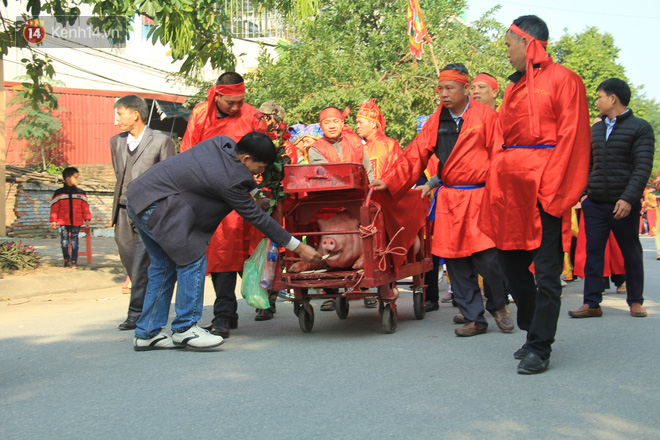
x: 382, y: 150
x: 544, y: 159
x: 234, y: 239
x: 352, y: 149
x: 455, y: 233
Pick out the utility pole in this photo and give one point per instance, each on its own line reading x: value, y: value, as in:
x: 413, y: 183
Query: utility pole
x: 3, y: 154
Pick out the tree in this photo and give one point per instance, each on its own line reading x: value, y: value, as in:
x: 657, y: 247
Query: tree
x: 37, y: 124
x: 353, y: 51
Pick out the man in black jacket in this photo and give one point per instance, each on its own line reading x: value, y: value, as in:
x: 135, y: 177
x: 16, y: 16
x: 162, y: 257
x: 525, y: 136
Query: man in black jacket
x: 622, y: 148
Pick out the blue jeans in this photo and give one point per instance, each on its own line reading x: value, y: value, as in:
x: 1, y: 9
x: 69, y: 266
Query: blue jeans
x: 163, y: 273
x: 73, y: 231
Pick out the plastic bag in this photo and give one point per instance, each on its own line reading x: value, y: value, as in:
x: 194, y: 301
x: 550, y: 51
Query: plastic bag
x: 254, y: 295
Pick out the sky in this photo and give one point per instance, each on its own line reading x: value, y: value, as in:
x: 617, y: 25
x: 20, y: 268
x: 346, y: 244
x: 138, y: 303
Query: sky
x: 634, y: 25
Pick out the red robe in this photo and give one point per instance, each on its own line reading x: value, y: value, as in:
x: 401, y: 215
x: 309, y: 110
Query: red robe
x: 352, y: 149
x: 456, y: 234
x: 520, y: 178
x: 234, y: 239
x: 383, y: 152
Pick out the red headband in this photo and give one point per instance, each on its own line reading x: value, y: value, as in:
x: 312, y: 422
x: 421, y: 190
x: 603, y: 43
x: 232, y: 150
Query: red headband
x: 230, y: 89
x: 482, y: 77
x: 332, y: 112
x: 534, y: 54
x: 454, y: 75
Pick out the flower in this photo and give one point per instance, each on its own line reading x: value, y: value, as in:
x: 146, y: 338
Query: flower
x: 259, y: 115
x: 272, y: 135
x: 286, y: 135
x: 283, y: 126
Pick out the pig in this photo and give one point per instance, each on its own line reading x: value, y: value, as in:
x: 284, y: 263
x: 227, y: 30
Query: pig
x: 343, y: 250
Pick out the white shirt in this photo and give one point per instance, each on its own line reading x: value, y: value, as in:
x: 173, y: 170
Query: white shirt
x: 132, y: 142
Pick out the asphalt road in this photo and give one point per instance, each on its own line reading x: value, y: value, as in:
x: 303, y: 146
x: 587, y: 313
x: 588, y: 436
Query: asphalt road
x: 67, y: 373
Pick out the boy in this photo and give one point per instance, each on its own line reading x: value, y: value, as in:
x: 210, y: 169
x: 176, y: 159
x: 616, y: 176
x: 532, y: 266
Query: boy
x: 69, y: 209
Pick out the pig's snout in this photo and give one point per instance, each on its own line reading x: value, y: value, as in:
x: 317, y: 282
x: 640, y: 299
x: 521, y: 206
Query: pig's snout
x: 328, y: 244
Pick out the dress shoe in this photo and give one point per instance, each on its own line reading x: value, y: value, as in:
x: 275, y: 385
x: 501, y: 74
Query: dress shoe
x: 460, y: 319
x: 129, y: 324
x: 637, y: 310
x: 264, y: 315
x: 533, y: 364
x: 432, y: 306
x: 586, y: 312
x: 503, y: 320
x: 521, y: 352
x: 471, y: 329
x: 220, y: 327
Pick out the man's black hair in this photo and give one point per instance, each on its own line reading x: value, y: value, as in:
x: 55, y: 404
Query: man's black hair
x: 460, y: 67
x: 134, y: 103
x: 229, y: 78
x: 258, y: 146
x: 617, y: 87
x: 69, y: 172
x: 534, y: 26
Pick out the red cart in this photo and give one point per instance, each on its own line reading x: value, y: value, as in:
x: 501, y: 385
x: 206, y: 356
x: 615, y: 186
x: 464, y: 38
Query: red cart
x: 317, y: 191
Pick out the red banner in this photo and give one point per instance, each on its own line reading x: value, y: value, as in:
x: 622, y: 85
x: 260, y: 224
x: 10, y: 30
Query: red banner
x: 416, y: 28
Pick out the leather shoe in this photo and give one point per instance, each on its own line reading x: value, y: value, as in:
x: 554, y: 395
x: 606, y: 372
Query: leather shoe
x: 503, y: 320
x: 432, y: 306
x: 533, y: 364
x: 586, y: 312
x: 471, y: 329
x: 129, y: 324
x: 221, y: 328
x: 264, y: 315
x: 460, y: 319
x: 521, y: 352
x: 637, y: 310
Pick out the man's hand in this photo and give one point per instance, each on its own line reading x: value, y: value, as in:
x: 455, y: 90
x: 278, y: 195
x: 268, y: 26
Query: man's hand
x: 87, y: 223
x: 264, y: 203
x: 425, y: 190
x: 378, y: 185
x: 53, y: 225
x: 308, y: 253
x: 621, y: 209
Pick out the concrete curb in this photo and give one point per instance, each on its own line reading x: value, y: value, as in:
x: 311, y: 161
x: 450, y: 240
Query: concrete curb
x: 69, y: 282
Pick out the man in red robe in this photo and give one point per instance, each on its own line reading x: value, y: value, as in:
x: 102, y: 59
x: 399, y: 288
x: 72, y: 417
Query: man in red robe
x: 484, y: 89
x: 463, y: 134
x: 225, y: 113
x: 533, y: 182
x: 382, y: 150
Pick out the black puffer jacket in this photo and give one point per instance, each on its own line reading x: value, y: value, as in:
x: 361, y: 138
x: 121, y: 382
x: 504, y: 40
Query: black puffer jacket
x: 620, y: 167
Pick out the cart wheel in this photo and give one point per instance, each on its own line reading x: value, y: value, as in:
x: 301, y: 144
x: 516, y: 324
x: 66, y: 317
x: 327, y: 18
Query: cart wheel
x: 381, y: 307
x: 306, y: 317
x: 296, y: 308
x: 389, y: 318
x: 341, y: 307
x: 418, y: 304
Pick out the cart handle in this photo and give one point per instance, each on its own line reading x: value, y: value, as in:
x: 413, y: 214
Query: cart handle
x: 368, y: 200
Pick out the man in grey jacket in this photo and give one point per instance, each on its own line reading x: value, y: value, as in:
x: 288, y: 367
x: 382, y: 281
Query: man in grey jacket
x: 133, y: 152
x: 177, y: 205
x: 622, y: 148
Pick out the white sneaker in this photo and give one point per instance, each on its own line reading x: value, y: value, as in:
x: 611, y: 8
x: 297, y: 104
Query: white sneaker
x: 196, y: 337
x: 159, y: 342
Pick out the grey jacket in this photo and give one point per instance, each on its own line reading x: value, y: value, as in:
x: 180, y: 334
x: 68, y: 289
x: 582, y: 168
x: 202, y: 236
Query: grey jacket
x: 153, y: 148
x: 195, y: 190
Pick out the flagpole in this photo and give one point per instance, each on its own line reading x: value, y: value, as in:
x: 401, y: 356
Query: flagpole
x: 435, y: 62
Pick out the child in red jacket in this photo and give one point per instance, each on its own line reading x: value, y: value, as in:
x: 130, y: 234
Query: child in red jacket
x: 69, y: 209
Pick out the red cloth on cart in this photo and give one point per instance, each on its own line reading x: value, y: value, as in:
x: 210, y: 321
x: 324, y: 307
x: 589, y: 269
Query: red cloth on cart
x: 410, y: 213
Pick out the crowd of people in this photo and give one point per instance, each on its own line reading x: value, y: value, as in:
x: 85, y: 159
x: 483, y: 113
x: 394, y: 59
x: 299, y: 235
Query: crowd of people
x: 504, y: 182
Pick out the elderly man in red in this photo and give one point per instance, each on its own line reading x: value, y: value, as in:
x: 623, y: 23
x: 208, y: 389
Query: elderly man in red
x: 484, y: 89
x: 382, y: 150
x: 534, y: 181
x: 225, y: 113
x: 463, y: 134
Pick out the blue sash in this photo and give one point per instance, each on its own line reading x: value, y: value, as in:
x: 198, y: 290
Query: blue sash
x: 435, y: 195
x: 536, y: 147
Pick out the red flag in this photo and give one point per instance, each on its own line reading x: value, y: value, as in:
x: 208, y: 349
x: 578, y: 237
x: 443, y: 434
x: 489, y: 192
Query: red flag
x: 416, y: 28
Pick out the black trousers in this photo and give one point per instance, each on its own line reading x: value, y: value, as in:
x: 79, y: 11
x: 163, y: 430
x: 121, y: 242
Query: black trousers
x: 225, y: 306
x: 134, y: 257
x: 431, y: 281
x: 598, y: 222
x: 539, y: 302
x: 465, y: 284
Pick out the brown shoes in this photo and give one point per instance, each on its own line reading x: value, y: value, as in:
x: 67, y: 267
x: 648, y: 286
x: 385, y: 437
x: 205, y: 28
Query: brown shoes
x: 470, y: 329
x: 503, y: 320
x: 637, y: 310
x: 586, y: 312
x: 460, y: 319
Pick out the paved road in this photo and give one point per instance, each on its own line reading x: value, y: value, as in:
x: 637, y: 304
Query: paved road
x: 67, y: 373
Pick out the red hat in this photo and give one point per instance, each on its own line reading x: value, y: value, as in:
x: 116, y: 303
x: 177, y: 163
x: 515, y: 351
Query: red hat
x: 369, y: 110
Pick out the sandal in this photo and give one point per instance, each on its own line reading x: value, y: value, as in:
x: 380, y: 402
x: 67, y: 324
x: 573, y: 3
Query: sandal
x: 328, y: 306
